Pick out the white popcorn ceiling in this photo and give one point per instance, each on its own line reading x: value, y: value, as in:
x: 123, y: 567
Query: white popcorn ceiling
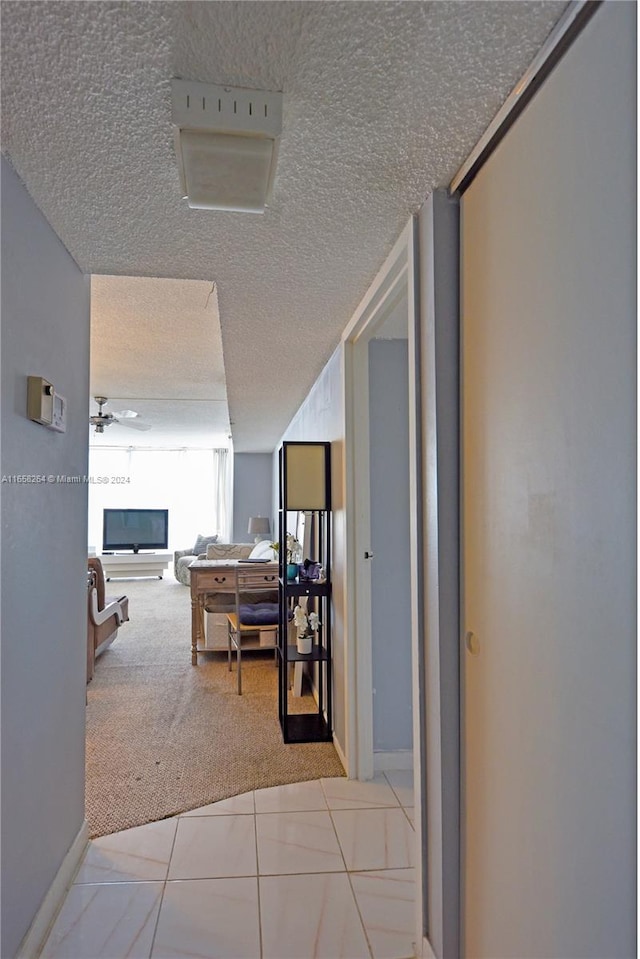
x: 382, y: 103
x: 139, y: 328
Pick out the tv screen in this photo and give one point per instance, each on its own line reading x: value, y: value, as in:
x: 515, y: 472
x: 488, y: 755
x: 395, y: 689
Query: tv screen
x: 135, y: 529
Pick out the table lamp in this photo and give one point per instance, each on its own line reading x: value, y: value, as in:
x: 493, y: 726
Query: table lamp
x: 260, y: 527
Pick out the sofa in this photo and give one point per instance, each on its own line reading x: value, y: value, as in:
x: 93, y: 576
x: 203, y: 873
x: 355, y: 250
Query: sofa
x: 219, y: 604
x: 183, y: 557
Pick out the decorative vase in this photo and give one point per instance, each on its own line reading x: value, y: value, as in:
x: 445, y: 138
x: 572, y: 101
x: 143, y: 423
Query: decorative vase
x: 304, y: 643
x: 292, y: 571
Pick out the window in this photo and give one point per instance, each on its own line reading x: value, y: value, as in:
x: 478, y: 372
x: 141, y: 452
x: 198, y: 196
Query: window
x: 194, y: 485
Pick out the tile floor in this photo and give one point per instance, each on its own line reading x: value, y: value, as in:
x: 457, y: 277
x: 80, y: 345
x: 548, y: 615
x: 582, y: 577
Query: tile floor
x: 317, y: 870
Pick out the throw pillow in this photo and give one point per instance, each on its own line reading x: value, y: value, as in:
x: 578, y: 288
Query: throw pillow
x: 202, y: 542
x: 262, y: 550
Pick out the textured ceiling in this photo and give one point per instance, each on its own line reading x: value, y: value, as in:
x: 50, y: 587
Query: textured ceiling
x: 382, y: 102
x: 156, y: 349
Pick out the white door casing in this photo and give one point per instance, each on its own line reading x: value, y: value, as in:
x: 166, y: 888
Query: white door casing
x: 389, y: 286
x: 396, y: 279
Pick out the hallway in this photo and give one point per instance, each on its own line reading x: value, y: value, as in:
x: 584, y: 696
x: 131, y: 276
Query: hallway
x: 316, y: 870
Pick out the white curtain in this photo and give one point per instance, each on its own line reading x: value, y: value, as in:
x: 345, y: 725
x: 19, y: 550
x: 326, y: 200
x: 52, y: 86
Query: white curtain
x: 223, y: 486
x: 192, y: 484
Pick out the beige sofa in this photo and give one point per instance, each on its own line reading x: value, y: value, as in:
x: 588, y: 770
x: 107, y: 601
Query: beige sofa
x: 182, y: 557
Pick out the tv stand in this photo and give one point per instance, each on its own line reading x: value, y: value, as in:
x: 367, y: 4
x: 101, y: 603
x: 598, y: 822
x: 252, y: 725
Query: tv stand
x: 134, y: 565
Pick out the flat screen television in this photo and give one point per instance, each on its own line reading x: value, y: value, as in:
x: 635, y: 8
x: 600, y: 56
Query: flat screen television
x: 135, y: 529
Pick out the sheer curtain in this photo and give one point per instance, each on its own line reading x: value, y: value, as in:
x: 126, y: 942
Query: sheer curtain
x: 192, y: 484
x: 223, y: 486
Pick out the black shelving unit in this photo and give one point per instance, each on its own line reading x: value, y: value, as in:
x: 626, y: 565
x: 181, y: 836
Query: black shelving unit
x: 301, y: 488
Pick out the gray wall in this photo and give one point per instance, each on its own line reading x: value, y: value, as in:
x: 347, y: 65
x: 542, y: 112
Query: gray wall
x: 252, y: 493
x: 390, y: 582
x: 549, y: 331
x: 45, y: 332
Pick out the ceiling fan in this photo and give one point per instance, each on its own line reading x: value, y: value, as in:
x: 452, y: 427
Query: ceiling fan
x: 122, y: 417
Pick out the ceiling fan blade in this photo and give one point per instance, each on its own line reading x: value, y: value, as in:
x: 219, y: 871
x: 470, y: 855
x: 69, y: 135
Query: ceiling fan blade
x: 133, y: 424
x: 126, y: 414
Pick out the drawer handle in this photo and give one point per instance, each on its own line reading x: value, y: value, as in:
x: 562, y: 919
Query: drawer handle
x: 220, y: 579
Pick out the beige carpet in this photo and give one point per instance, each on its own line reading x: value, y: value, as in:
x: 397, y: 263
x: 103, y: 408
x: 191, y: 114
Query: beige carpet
x: 164, y: 736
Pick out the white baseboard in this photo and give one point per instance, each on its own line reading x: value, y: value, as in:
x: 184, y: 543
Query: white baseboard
x: 395, y: 759
x: 33, y: 941
x: 341, y: 755
x: 427, y: 951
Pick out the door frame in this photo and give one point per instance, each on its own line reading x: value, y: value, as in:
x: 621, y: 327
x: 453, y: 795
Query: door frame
x: 439, y: 263
x: 425, y: 260
x: 394, y: 278
x: 397, y: 276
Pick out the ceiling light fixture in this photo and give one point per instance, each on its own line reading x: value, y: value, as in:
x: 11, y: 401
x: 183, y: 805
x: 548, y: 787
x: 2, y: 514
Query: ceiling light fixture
x: 226, y: 141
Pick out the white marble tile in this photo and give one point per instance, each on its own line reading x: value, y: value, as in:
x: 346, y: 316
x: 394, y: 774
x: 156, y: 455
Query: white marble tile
x: 296, y: 797
x: 401, y: 781
x: 234, y: 806
x: 297, y: 842
x: 375, y: 838
x: 210, y: 919
x: 141, y: 853
x: 105, y: 921
x: 210, y: 847
x: 386, y: 900
x: 353, y: 794
x: 310, y: 917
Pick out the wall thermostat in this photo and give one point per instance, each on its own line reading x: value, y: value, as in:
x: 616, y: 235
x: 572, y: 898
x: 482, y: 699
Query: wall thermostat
x: 44, y: 405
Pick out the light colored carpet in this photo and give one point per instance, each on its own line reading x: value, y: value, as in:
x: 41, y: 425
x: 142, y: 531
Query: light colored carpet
x: 164, y: 736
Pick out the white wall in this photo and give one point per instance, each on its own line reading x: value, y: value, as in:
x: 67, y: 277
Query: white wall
x: 252, y: 493
x: 45, y: 332
x: 549, y: 385
x: 321, y: 418
x: 390, y: 535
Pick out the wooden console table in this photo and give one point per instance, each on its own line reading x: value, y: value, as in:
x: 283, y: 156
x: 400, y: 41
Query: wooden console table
x: 216, y: 576
x: 134, y: 565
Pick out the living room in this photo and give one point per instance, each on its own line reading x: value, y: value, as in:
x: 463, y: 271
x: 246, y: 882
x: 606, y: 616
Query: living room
x: 160, y: 447
x: 165, y: 736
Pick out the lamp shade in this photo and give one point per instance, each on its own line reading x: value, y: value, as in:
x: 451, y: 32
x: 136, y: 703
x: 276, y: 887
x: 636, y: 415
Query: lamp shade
x: 306, y: 477
x: 259, y: 526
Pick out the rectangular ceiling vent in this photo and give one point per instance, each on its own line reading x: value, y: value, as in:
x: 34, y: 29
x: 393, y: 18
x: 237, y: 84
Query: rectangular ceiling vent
x: 226, y: 141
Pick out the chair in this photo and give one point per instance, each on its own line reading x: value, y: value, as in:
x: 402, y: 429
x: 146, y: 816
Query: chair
x: 104, y: 615
x: 253, y: 617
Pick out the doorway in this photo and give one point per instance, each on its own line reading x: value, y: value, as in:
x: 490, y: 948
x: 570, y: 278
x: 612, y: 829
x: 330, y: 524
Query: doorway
x: 380, y: 342
x: 430, y: 310
x: 386, y: 323
x: 389, y: 559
